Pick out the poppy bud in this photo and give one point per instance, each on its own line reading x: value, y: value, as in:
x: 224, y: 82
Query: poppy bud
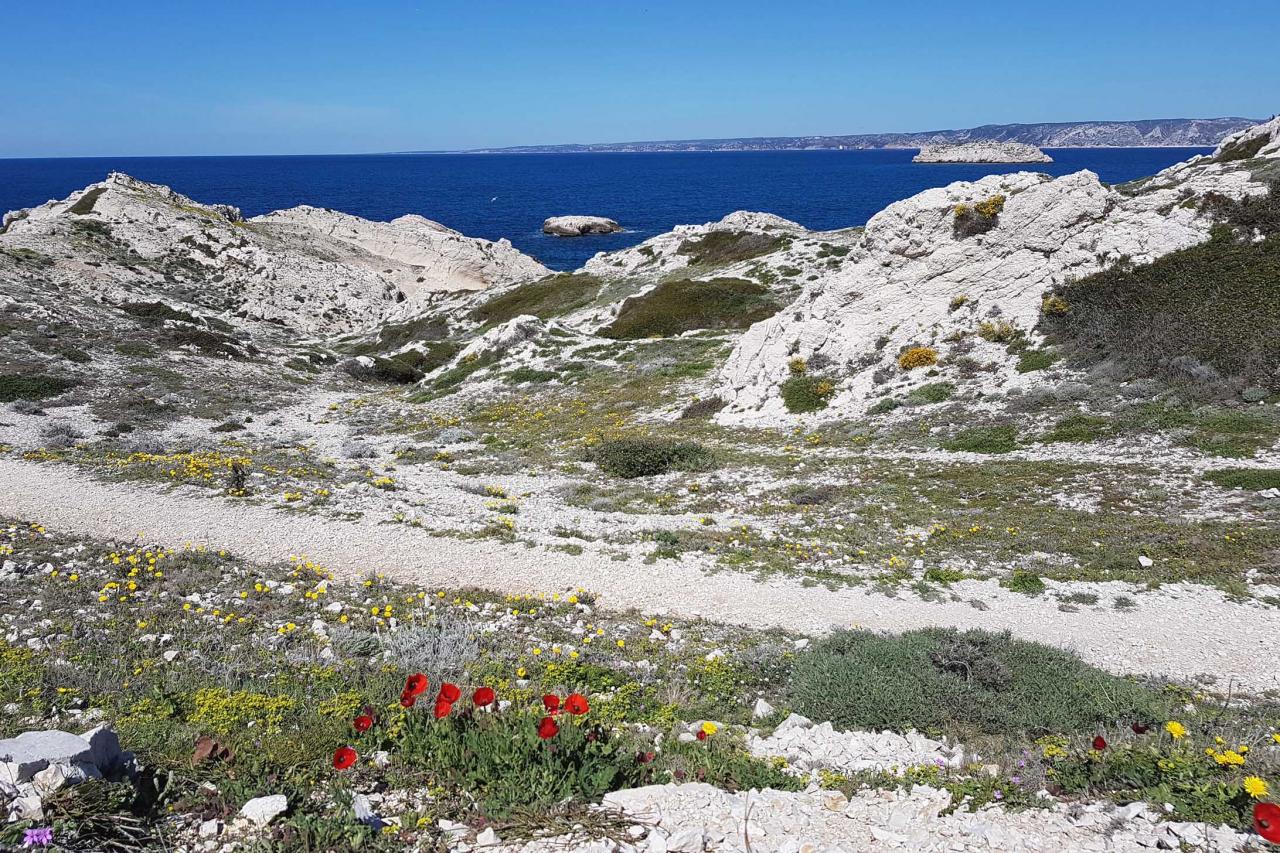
x: 1099, y: 743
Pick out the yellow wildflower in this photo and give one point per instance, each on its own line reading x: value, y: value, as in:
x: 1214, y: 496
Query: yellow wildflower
x: 1256, y: 787
x: 1176, y: 730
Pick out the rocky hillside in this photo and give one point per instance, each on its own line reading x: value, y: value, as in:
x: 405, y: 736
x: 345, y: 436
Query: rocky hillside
x: 315, y: 271
x: 955, y: 275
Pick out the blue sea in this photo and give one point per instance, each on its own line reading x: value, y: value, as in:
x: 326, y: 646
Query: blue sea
x: 509, y: 195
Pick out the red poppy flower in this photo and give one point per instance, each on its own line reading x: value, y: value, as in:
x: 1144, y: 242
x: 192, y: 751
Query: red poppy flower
x: 483, y: 696
x: 443, y: 707
x: 701, y: 735
x: 362, y: 723
x: 1099, y: 743
x: 1266, y: 821
x: 576, y: 704
x: 644, y: 757
x: 1139, y: 728
x: 415, y: 685
x: 344, y: 758
x: 548, y: 728
x: 407, y: 700
x: 551, y: 702
x: 450, y: 692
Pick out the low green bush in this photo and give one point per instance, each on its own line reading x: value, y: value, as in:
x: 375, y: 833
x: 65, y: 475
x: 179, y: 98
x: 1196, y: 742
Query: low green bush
x: 888, y: 404
x: 1209, y: 314
x: 682, y: 305
x: 1255, y: 479
x: 1032, y: 360
x: 1077, y: 428
x: 984, y: 439
x: 31, y: 386
x: 157, y: 311
x: 647, y: 457
x: 934, y: 392
x: 942, y: 680
x: 529, y: 374
x: 546, y: 298
x: 804, y: 393
x: 721, y: 248
x: 1027, y: 583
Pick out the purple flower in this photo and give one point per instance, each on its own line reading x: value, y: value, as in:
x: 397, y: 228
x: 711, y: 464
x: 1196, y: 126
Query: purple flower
x: 997, y: 795
x: 1017, y: 780
x: 41, y: 836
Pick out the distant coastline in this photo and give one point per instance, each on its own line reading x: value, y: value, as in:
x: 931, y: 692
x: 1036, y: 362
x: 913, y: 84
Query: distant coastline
x: 1145, y: 133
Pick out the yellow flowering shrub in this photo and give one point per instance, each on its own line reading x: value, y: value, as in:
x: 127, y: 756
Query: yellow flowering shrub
x: 918, y: 357
x: 224, y: 711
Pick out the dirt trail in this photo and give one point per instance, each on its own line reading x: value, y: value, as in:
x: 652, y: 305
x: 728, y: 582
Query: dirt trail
x: 1181, y: 631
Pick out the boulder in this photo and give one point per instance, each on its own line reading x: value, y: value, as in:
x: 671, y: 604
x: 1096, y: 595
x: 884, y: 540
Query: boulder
x: 30, y: 752
x: 578, y: 226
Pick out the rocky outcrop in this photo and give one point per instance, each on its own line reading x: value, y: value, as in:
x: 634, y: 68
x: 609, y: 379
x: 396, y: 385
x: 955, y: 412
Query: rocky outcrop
x: 915, y: 278
x: 315, y: 271
x: 982, y: 152
x: 36, y: 764
x: 662, y: 254
x: 578, y: 226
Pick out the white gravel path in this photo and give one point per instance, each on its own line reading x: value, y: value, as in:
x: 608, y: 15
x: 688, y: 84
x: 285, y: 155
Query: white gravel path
x: 1181, y: 630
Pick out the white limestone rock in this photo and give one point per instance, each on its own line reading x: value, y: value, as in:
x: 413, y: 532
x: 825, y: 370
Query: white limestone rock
x: 982, y: 151
x: 316, y: 271
x: 911, y: 280
x: 578, y: 226
x: 30, y: 752
x: 260, y: 811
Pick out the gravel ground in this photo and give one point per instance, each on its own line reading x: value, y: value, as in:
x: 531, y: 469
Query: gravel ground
x: 1181, y: 631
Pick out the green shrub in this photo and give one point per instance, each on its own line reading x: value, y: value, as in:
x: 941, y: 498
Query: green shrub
x: 985, y: 439
x: 721, y: 248
x: 1207, y: 314
x: 940, y: 679
x: 546, y: 298
x: 970, y: 220
x: 529, y: 374
x: 801, y: 394
x: 1255, y: 479
x: 1027, y: 583
x: 31, y: 386
x: 85, y: 203
x: 1077, y: 428
x: 703, y: 408
x: 1000, y: 332
x: 436, y: 355
x: 683, y: 305
x: 1035, y: 359
x: 888, y: 404
x: 647, y: 457
x: 157, y: 311
x: 934, y: 392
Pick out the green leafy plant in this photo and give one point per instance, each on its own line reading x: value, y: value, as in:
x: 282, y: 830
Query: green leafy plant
x: 806, y: 393
x: 647, y: 457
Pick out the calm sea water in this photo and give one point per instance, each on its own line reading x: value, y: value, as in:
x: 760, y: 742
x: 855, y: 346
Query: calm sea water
x: 509, y: 195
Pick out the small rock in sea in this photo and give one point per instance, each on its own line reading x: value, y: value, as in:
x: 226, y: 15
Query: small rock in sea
x: 577, y: 226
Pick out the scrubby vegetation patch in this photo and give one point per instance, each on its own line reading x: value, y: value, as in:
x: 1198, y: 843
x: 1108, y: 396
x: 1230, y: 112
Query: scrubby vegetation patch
x: 682, y: 305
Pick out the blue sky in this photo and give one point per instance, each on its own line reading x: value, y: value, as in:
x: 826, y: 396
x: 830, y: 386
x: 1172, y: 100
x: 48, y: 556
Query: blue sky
x: 85, y: 77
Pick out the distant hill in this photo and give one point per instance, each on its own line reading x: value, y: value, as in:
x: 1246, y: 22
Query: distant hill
x: 1079, y: 134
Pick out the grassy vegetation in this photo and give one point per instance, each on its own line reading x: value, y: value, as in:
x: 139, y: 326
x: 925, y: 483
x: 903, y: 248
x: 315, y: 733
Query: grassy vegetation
x: 682, y: 305
x: 1254, y: 479
x: 547, y: 298
x: 157, y: 311
x: 721, y: 248
x: 944, y: 681
x: 1001, y: 438
x: 934, y: 392
x: 647, y: 457
x: 31, y: 386
x: 1207, y: 315
x: 85, y: 203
